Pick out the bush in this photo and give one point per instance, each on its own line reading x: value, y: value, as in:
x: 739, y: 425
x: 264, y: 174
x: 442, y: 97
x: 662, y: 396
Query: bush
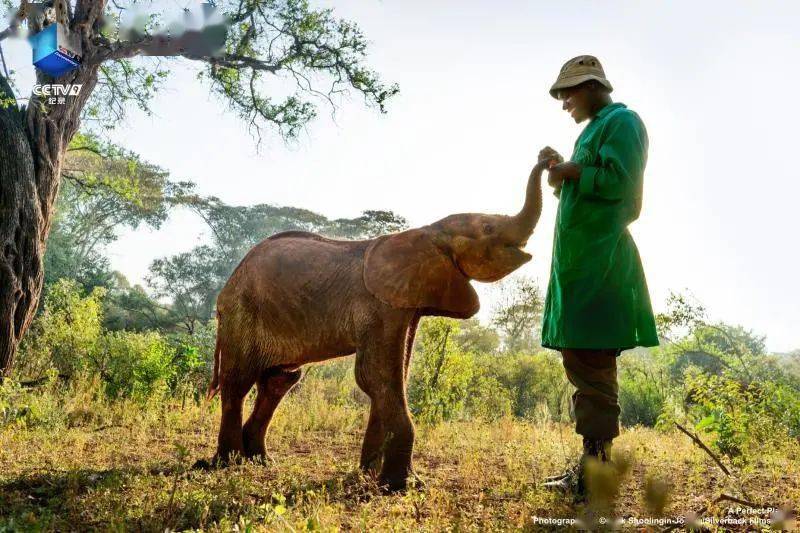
x: 643, y: 389
x: 742, y: 417
x: 447, y: 383
x: 27, y: 408
x: 193, y: 360
x: 68, y: 339
x: 135, y: 365
x: 536, y: 383
x: 440, y: 375
x: 64, y: 334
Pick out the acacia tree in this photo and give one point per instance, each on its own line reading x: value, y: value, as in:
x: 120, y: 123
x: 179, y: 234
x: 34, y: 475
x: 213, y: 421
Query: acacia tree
x: 518, y: 314
x: 105, y: 188
x: 243, y: 60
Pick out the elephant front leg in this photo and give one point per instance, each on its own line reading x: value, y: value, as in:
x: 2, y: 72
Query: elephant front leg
x: 399, y: 444
x: 380, y: 372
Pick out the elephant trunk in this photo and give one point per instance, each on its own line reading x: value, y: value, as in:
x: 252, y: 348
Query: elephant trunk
x: 522, y: 223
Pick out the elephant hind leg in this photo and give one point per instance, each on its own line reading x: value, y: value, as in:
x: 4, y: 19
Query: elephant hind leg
x: 229, y: 442
x: 272, y: 387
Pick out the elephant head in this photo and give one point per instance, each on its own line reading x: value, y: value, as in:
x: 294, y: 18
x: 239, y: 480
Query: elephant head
x: 430, y: 267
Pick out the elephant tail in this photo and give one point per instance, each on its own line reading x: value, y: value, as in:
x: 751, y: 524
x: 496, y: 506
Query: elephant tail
x: 213, y: 387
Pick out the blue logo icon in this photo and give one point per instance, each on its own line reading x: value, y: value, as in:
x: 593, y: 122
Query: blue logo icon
x: 55, y: 52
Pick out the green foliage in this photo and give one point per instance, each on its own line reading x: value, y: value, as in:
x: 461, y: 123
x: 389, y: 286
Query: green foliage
x: 536, y: 383
x: 476, y: 338
x: 135, y: 365
x: 123, y: 82
x: 300, y: 45
x: 731, y: 388
x: 644, y: 388
x: 744, y: 418
x: 192, y: 280
x: 193, y: 359
x: 26, y: 408
x: 441, y: 375
x: 67, y: 340
x: 106, y: 188
x: 278, y: 59
x: 133, y: 309
x: 117, y: 186
x: 65, y: 334
x: 446, y: 383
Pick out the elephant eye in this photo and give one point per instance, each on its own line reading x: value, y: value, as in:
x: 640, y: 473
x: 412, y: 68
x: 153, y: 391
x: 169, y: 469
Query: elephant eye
x: 488, y: 229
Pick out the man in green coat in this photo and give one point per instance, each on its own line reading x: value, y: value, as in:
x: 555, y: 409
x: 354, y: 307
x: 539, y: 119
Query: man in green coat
x: 597, y: 300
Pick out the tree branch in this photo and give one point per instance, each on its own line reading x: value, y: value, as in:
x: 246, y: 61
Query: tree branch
x: 16, y: 20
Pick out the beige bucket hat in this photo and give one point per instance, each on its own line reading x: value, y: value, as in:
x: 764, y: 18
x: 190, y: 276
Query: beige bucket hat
x: 578, y: 70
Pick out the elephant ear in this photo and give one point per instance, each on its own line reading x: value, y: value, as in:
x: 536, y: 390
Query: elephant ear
x: 407, y: 270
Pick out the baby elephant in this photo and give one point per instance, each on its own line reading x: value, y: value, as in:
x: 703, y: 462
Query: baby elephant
x: 297, y: 298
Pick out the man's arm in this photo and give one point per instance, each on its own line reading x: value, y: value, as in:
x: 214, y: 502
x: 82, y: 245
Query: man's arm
x: 623, y: 155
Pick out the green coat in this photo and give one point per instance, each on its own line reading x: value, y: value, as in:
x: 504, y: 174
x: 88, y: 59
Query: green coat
x: 597, y: 296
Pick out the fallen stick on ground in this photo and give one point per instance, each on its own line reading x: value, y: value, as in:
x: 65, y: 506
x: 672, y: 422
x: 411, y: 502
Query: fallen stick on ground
x: 729, y: 498
x: 705, y: 448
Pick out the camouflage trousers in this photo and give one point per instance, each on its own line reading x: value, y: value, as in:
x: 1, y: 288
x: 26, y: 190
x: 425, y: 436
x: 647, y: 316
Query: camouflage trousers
x: 595, y: 403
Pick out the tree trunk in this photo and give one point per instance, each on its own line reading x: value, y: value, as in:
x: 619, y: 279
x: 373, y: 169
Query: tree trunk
x: 29, y: 173
x: 20, y: 229
x: 32, y: 144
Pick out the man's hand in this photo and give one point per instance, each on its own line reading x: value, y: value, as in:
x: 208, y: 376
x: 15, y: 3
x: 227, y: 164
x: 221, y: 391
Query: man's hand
x: 563, y: 171
x: 550, y: 156
x: 547, y: 158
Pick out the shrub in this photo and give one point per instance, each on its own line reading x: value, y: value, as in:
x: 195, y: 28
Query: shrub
x: 534, y: 382
x: 441, y: 375
x: 643, y: 389
x: 68, y: 339
x: 28, y: 408
x: 448, y: 383
x: 744, y: 417
x: 193, y: 360
x: 64, y: 334
x: 136, y: 365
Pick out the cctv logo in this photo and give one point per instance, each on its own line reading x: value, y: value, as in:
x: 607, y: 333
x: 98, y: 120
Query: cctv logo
x: 57, y: 90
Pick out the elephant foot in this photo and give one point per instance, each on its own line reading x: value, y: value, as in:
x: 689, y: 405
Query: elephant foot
x: 203, y: 464
x: 218, y: 461
x: 394, y: 475
x: 399, y: 485
x: 210, y: 464
x: 258, y: 457
x: 395, y: 482
x: 393, y: 485
x: 255, y: 451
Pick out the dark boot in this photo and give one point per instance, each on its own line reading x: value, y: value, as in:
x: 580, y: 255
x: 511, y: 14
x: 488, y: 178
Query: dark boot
x: 573, y: 479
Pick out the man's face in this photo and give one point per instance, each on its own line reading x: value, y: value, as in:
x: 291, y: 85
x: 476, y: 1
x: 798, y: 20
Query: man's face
x: 578, y: 101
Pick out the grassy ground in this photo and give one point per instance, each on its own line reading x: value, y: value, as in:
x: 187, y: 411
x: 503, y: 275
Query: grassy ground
x: 123, y: 467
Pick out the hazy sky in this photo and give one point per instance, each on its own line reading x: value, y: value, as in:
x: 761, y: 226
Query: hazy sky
x: 713, y: 81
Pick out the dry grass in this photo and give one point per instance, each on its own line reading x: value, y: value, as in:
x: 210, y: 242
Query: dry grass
x: 128, y: 469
